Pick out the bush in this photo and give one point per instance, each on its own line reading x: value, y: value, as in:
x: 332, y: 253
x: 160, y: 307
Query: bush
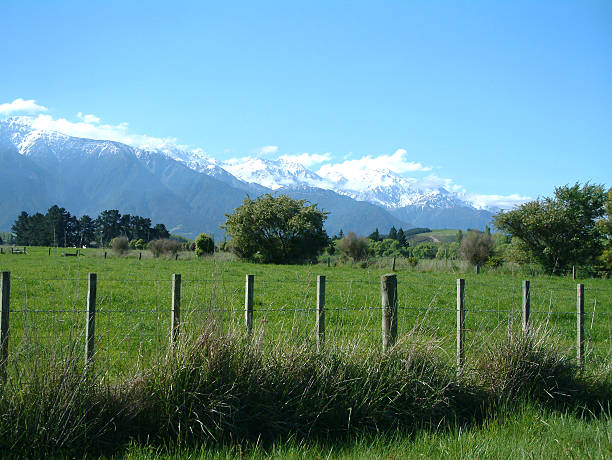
x: 354, y: 247
x: 163, y: 247
x: 425, y: 251
x: 278, y: 228
x: 204, y: 244
x: 138, y: 244
x: 527, y: 366
x: 119, y: 245
x: 477, y: 247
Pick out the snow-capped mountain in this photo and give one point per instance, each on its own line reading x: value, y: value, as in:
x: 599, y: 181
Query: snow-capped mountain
x: 181, y: 188
x: 378, y: 186
x: 274, y: 174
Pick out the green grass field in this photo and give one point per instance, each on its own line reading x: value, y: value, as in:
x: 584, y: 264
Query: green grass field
x: 47, y: 321
x: 48, y: 298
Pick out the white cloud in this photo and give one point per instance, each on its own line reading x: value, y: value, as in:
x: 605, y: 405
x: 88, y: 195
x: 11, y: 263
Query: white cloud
x: 397, y: 163
x: 21, y: 106
x: 88, y: 118
x: 307, y: 159
x: 90, y: 127
x: 506, y: 202
x: 267, y: 150
x: 358, y: 172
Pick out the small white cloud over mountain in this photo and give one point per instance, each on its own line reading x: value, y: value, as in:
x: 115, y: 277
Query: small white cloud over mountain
x: 21, y: 106
x: 307, y: 159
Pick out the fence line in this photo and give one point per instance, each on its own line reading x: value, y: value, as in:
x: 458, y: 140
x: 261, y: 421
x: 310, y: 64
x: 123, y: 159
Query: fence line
x: 389, y: 310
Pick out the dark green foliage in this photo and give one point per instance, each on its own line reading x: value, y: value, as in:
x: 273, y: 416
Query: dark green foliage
x: 353, y: 247
x: 561, y: 231
x: 375, y: 235
x: 416, y: 231
x: 392, y: 233
x: 477, y: 247
x: 605, y: 228
x: 204, y: 244
x: 401, y: 237
x: 277, y: 230
x: 59, y: 228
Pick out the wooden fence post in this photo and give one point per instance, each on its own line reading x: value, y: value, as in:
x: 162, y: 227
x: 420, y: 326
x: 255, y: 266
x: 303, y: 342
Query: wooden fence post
x: 320, y: 311
x: 460, y: 323
x: 90, y: 336
x: 175, y: 318
x: 105, y: 254
x: 49, y: 251
x: 139, y: 255
x: 478, y: 269
x: 248, y: 302
x: 5, y: 287
x: 388, y: 290
x: 574, y: 272
x: 526, y: 305
x: 580, y: 324
x: 393, y: 267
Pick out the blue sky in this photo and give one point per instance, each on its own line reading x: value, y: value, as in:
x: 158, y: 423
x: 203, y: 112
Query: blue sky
x: 493, y: 98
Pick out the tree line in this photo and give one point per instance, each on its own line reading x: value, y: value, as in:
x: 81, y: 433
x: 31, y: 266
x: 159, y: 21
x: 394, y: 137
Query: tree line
x: 59, y: 228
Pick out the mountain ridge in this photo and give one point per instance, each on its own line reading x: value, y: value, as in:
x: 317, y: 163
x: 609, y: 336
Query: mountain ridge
x: 175, y: 185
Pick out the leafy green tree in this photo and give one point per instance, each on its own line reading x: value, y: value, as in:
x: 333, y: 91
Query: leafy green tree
x: 277, y: 229
x: 561, y: 231
x: 605, y: 228
x: 204, y: 244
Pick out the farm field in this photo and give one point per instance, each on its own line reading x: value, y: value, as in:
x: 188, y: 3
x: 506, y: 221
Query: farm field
x: 440, y: 413
x: 48, y: 298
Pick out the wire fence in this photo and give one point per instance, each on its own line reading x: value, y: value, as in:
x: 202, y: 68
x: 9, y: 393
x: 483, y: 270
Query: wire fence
x: 134, y: 317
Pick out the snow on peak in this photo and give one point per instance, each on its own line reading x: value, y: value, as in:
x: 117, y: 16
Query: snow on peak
x: 273, y: 174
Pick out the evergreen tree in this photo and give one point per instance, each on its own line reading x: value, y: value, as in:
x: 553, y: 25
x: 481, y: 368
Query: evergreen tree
x: 401, y: 237
x: 392, y: 233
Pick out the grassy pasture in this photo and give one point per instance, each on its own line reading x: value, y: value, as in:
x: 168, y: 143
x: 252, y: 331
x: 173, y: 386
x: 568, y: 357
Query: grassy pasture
x: 282, y: 381
x: 48, y: 298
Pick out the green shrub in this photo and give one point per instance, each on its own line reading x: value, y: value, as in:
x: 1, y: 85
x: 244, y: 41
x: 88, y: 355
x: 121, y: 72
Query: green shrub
x: 204, y: 244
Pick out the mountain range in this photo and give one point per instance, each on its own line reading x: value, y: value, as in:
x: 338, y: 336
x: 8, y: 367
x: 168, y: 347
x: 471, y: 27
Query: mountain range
x: 191, y: 193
